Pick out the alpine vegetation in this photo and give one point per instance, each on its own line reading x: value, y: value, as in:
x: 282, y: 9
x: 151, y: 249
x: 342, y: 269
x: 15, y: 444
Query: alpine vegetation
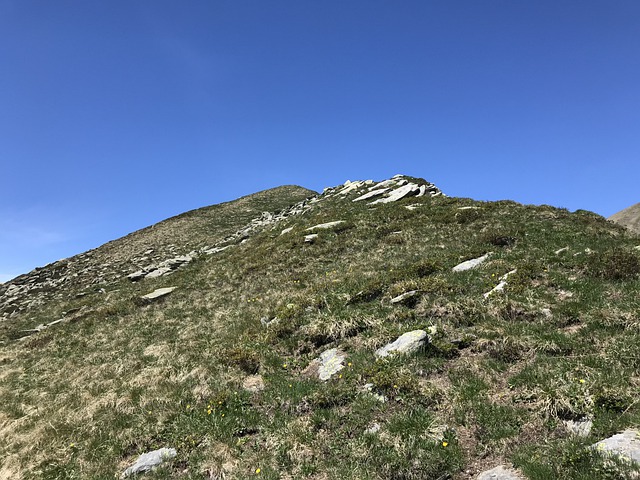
x: 378, y: 330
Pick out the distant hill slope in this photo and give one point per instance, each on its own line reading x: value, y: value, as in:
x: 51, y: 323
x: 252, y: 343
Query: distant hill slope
x: 379, y: 330
x: 629, y: 217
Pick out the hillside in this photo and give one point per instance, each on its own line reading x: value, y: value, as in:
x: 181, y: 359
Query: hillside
x: 379, y: 330
x: 629, y: 217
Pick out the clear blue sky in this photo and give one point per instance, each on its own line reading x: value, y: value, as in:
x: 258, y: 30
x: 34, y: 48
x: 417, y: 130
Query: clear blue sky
x: 117, y: 114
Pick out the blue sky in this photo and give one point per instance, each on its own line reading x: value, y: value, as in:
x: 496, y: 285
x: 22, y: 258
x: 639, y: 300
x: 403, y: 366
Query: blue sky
x: 115, y: 115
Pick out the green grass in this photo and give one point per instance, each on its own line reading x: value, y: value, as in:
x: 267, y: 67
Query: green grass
x: 82, y: 400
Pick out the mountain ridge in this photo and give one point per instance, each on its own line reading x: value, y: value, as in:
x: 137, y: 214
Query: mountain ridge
x: 378, y: 330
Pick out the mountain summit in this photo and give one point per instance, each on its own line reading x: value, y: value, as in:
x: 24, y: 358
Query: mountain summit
x: 629, y: 217
x: 376, y: 330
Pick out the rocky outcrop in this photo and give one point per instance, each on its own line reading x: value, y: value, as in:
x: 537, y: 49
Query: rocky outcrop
x: 629, y: 218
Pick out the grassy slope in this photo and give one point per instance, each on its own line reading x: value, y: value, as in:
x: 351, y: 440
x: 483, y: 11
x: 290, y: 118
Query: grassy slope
x: 82, y: 400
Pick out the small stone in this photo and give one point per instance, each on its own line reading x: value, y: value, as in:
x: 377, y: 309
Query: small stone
x: 561, y: 250
x: 403, y: 297
x: 501, y: 472
x: 625, y: 445
x: 159, y: 293
x: 580, y: 428
x: 375, y: 428
x: 325, y: 226
x: 286, y: 230
x: 328, y: 364
x: 405, y: 343
x: 150, y: 460
x: 310, y: 238
x: 473, y: 263
x: 253, y: 383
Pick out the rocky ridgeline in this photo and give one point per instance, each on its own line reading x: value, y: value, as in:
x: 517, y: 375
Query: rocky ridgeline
x: 88, y: 274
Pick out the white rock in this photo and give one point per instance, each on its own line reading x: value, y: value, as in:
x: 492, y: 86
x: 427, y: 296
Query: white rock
x: 330, y: 363
x: 561, y: 250
x: 473, y: 263
x: 500, y: 286
x: 405, y: 343
x: 404, y: 296
x: 625, y: 445
x: 310, y: 238
x: 324, y: 226
x: 150, y: 460
x: 398, y: 194
x: 500, y: 472
x: 371, y: 194
x: 467, y: 208
x: 160, y: 292
x: 375, y: 428
x: 286, y: 230
x: 423, y: 190
x: 580, y: 428
x: 369, y: 389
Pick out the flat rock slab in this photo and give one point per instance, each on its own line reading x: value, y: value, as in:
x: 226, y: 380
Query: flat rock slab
x: 324, y: 226
x: 500, y: 286
x: 371, y: 194
x: 159, y: 293
x: 473, y: 263
x: 310, y: 238
x: 399, y: 193
x: 625, y: 445
x: 500, y: 472
x: 149, y: 460
x: 405, y: 343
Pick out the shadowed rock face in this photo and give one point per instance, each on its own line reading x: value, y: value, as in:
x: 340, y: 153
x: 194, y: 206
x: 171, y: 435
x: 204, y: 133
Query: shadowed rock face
x: 629, y: 217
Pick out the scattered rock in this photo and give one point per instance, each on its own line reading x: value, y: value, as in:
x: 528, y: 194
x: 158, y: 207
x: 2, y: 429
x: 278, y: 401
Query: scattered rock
x: 253, y: 383
x: 473, y: 263
x: 579, y: 428
x: 324, y: 226
x: 561, y: 250
x: 404, y: 297
x: 328, y: 364
x: 150, y: 460
x: 405, y: 343
x: 500, y: 286
x: 266, y: 321
x: 501, y: 472
x: 159, y: 293
x: 625, y: 445
x: 310, y: 238
x: 468, y: 208
x: 286, y: 230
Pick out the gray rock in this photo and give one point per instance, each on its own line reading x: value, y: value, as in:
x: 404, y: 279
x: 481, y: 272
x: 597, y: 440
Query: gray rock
x: 501, y: 472
x: 375, y: 428
x: 158, y: 272
x: 405, y: 296
x: 159, y: 293
x: 310, y: 238
x: 149, y: 460
x: 579, y: 428
x: 625, y: 445
x: 324, y: 226
x: 405, y: 343
x: 399, y: 193
x: 330, y: 363
x: 473, y: 263
x: 371, y: 194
